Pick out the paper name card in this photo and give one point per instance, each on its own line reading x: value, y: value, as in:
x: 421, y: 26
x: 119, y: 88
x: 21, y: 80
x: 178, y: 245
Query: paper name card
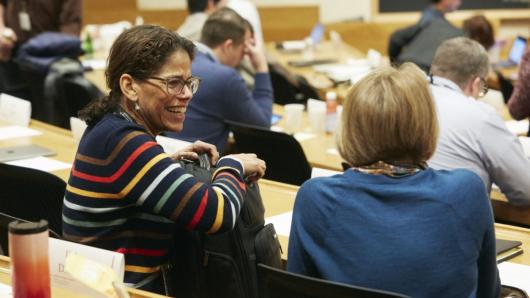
x: 318, y: 172
x: 95, y: 275
x: 14, y: 110
x: 171, y: 145
x: 517, y: 127
x: 59, y: 250
x: 77, y: 126
x: 281, y: 222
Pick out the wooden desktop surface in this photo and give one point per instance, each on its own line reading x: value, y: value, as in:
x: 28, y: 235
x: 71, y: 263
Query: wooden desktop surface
x: 278, y: 197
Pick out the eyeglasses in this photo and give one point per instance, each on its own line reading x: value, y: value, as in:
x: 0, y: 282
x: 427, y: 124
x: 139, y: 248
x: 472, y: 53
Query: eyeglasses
x: 175, y: 86
x: 484, y: 89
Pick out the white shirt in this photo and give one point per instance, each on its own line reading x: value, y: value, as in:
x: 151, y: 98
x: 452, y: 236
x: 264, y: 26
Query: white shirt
x: 192, y: 26
x: 473, y: 136
x: 248, y: 11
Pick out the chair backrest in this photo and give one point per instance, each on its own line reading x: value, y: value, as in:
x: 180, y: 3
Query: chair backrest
x: 277, y: 283
x: 66, y: 92
x: 285, y: 158
x: 31, y: 195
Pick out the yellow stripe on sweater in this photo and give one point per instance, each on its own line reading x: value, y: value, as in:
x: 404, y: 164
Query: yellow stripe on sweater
x: 141, y: 269
x: 124, y: 191
x: 220, y: 211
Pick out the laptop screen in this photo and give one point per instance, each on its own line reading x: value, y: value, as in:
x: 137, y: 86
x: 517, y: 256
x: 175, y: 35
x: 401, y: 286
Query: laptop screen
x: 517, y: 51
x: 317, y: 33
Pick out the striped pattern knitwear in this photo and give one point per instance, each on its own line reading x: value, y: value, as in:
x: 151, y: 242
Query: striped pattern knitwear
x: 125, y: 194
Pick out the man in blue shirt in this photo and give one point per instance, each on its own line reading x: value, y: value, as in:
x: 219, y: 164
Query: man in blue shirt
x: 223, y: 95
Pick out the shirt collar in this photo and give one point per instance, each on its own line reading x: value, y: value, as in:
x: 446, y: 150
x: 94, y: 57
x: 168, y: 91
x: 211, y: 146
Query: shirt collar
x: 206, y: 51
x: 445, y: 83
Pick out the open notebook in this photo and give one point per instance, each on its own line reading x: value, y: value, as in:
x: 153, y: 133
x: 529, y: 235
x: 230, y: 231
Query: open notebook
x: 507, y: 249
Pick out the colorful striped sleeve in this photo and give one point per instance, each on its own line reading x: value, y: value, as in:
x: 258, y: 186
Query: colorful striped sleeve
x: 139, y: 172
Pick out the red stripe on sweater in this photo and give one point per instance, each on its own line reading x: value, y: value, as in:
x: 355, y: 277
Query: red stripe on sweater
x: 142, y: 251
x: 120, y: 171
x: 199, y: 213
x: 241, y: 184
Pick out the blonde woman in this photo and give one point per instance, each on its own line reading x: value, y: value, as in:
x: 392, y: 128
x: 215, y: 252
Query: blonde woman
x: 390, y: 222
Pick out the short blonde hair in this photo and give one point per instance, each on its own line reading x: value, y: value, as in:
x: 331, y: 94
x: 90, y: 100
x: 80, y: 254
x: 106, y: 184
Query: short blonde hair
x: 389, y: 116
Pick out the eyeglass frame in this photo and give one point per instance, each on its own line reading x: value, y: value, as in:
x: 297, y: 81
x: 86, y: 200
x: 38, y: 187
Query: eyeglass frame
x: 185, y: 83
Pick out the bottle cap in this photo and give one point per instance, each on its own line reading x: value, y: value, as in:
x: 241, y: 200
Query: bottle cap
x: 25, y: 228
x: 331, y: 95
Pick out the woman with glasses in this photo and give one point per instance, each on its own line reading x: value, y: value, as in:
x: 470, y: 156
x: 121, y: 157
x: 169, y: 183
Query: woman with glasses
x: 124, y: 193
x: 390, y: 222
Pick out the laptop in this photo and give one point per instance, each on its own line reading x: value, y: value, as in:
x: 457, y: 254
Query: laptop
x: 23, y: 152
x: 507, y: 249
x: 516, y: 53
x: 316, y: 36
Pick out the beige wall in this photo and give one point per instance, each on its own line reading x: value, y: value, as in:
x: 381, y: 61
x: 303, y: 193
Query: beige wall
x: 330, y: 10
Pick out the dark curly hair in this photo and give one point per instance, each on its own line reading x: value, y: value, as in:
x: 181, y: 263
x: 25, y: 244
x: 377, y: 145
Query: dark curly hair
x: 139, y: 52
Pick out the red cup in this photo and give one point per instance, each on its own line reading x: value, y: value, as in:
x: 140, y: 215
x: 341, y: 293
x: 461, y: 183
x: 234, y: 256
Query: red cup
x: 30, y: 269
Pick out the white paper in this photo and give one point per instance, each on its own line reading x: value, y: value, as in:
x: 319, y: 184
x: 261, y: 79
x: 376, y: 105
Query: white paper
x: 15, y: 131
x: 332, y: 151
x: 293, y: 45
x: 515, y: 275
x: 525, y: 141
x: 95, y: 64
x: 318, y: 172
x: 517, y: 127
x: 14, y: 110
x: 77, y: 126
x: 342, y: 72
x: 281, y: 222
x: 171, y: 145
x: 276, y: 128
x: 41, y: 163
x: 303, y: 136
x: 58, y: 251
x: 5, y: 291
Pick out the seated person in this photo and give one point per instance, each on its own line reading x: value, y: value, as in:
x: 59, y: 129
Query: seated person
x: 519, y: 103
x: 225, y: 40
x: 401, y: 39
x: 390, y: 222
x: 124, y: 193
x: 472, y: 134
x: 199, y: 10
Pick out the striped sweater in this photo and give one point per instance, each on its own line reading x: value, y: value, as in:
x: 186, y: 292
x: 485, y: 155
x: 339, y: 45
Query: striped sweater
x: 125, y: 194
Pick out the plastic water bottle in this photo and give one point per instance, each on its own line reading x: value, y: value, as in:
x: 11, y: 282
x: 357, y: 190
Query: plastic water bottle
x: 331, y: 112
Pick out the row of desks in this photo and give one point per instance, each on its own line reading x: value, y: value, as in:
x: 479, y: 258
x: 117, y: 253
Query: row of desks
x: 278, y: 197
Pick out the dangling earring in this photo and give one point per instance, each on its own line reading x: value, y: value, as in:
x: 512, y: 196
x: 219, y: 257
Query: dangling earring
x: 136, y: 106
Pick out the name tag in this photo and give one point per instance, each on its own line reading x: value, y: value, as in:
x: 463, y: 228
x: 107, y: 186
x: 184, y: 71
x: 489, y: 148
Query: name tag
x: 24, y: 21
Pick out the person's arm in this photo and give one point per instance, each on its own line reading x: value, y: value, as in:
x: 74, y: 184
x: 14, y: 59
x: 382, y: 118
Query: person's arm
x: 140, y: 172
x: 71, y: 17
x: 504, y: 158
x: 242, y: 106
x: 519, y: 102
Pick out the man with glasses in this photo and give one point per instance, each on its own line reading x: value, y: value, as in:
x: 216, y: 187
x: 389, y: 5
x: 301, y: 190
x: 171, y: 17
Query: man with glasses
x: 472, y: 134
x: 225, y: 40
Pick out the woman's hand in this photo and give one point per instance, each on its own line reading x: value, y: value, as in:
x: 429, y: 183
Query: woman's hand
x: 253, y: 167
x: 192, y: 152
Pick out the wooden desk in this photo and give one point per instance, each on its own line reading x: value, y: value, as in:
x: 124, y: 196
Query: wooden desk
x: 324, y: 50
x: 5, y: 278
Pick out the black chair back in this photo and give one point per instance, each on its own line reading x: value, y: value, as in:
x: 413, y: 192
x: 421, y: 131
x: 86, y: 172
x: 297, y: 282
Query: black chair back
x: 285, y: 158
x: 30, y: 195
x: 277, y: 283
x: 66, y: 91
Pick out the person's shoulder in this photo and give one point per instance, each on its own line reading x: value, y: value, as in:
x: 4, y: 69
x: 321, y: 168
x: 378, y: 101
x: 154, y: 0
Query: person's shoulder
x: 459, y: 186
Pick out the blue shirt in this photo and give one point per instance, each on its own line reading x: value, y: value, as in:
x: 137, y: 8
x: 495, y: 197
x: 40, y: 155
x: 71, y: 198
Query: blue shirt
x: 426, y: 235
x: 223, y: 96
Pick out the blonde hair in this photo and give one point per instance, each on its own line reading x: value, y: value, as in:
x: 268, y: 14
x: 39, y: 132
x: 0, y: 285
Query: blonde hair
x: 389, y: 116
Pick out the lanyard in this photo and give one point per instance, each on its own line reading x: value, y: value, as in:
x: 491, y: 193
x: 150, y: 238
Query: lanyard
x: 441, y: 84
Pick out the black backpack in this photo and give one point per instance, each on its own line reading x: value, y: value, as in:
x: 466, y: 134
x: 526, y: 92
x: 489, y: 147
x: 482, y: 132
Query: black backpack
x: 224, y: 265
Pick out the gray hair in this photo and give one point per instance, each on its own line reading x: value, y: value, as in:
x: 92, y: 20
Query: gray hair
x: 460, y: 59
